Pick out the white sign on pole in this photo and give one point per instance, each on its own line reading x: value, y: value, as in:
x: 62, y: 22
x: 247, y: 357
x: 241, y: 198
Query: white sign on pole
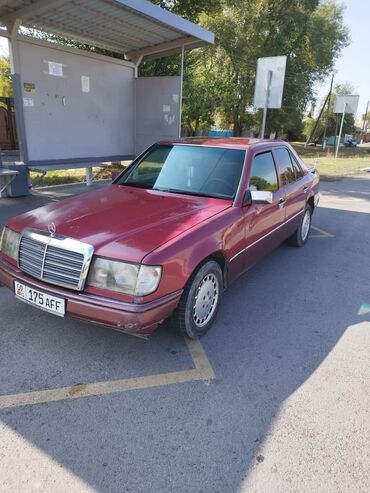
x: 347, y: 103
x: 268, y: 91
x: 344, y: 104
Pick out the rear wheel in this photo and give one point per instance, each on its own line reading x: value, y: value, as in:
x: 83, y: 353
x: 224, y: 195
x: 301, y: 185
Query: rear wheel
x: 200, y: 300
x: 300, y: 237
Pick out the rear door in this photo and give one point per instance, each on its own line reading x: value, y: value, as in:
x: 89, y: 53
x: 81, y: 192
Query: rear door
x: 263, y: 222
x: 295, y: 186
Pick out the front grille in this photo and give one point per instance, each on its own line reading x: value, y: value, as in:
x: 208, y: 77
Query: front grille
x: 57, y: 260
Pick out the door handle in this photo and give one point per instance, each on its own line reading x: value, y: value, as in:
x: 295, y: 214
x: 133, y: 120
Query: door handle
x: 281, y: 203
x: 305, y: 189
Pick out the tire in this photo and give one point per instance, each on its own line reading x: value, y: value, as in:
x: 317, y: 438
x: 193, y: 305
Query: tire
x: 300, y: 237
x: 198, y: 305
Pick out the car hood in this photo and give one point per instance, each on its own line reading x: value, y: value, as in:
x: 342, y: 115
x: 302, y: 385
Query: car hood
x: 122, y: 222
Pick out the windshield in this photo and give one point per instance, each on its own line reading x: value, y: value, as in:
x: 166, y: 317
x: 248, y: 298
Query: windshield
x: 192, y: 170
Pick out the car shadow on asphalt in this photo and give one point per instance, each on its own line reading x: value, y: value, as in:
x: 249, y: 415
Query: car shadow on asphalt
x: 276, y: 326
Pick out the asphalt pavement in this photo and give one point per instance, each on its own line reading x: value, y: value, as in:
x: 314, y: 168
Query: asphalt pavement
x: 275, y: 398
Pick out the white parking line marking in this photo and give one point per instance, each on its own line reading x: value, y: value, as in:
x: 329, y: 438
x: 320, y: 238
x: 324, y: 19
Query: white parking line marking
x: 323, y: 234
x: 202, y: 371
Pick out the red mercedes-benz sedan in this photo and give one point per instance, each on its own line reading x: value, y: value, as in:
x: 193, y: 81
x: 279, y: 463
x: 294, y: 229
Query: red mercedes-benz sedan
x: 165, y: 238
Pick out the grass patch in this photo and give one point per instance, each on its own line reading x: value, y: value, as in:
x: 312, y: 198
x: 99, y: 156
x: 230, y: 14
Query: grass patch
x: 349, y: 161
x: 63, y: 177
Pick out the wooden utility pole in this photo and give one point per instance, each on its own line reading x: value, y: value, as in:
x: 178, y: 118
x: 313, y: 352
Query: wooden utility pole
x: 317, y: 121
x: 327, y: 113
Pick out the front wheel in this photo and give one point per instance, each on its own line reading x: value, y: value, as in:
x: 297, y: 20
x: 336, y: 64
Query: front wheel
x: 300, y: 237
x: 200, y: 300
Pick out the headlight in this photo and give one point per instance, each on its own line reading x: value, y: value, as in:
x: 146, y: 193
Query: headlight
x: 134, y: 279
x: 10, y: 243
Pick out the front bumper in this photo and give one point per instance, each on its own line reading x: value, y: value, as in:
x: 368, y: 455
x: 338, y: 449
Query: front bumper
x: 133, y: 318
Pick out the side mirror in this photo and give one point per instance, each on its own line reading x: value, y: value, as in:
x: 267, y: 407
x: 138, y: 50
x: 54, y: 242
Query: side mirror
x: 259, y: 197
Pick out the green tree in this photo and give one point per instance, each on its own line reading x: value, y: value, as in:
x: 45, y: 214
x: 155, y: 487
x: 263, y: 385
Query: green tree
x: 6, y: 86
x: 310, y: 33
x: 190, y: 9
x: 199, y: 94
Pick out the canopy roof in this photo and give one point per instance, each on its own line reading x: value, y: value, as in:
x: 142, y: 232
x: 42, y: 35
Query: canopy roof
x: 135, y: 28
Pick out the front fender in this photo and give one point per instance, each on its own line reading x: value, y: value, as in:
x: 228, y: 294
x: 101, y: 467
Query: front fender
x: 204, y: 249
x: 180, y: 260
x: 182, y: 255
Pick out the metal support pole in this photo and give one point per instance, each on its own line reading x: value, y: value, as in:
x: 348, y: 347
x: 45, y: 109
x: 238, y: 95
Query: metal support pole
x: 137, y: 65
x: 340, y: 130
x: 136, y: 76
x: 89, y: 176
x: 363, y: 126
x: 181, y: 86
x: 17, y: 88
x: 268, y: 87
x: 262, y: 132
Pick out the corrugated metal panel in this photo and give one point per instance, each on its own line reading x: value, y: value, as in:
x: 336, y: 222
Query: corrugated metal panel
x: 11, y: 6
x: 118, y: 25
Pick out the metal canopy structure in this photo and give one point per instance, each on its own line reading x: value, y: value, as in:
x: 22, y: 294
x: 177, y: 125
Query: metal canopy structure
x: 134, y: 28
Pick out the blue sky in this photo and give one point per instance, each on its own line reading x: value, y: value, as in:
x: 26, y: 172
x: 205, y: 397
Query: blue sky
x: 353, y: 65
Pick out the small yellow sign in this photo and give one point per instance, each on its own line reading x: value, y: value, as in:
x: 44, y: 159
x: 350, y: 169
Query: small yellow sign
x: 29, y: 88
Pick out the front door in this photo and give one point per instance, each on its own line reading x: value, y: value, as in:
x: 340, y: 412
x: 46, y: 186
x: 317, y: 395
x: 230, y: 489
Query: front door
x: 263, y: 223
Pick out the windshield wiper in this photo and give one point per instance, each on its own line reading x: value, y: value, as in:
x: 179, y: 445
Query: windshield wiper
x: 136, y: 185
x: 184, y: 192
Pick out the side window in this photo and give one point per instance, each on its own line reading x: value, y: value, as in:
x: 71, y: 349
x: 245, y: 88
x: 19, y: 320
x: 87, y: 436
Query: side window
x: 297, y: 169
x: 285, y: 165
x: 288, y: 167
x: 263, y: 173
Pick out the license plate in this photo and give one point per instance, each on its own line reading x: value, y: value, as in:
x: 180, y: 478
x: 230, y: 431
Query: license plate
x: 41, y: 300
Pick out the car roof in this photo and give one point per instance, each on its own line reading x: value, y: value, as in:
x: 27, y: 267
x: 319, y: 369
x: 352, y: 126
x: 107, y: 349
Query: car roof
x: 225, y: 142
